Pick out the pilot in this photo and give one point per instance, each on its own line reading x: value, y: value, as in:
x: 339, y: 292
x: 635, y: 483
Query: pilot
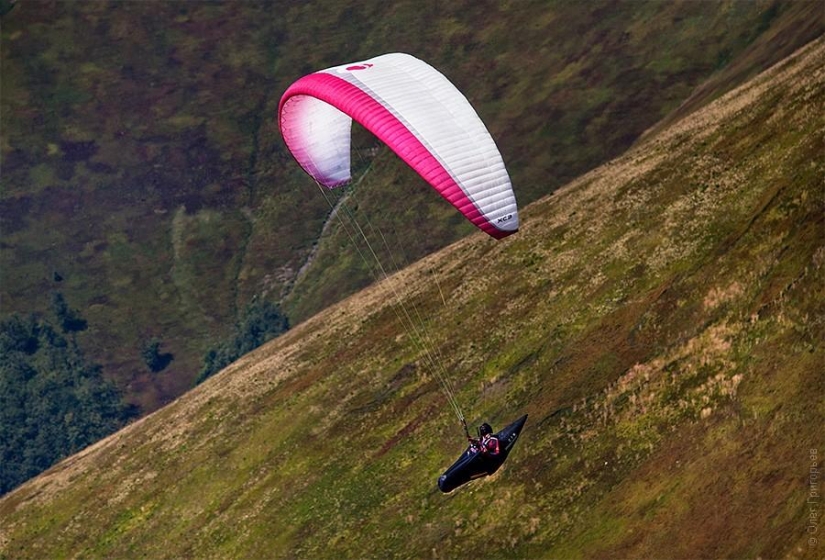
x: 487, y: 442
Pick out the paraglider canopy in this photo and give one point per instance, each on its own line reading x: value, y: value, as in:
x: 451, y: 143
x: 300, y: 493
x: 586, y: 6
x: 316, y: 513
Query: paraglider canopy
x: 419, y: 114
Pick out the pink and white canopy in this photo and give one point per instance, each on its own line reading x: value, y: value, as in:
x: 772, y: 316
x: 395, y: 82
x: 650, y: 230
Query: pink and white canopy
x: 419, y: 114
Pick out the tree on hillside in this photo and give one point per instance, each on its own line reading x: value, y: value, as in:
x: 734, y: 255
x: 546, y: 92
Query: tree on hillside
x: 69, y: 319
x: 152, y: 356
x: 52, y: 401
x: 19, y: 335
x: 260, y: 322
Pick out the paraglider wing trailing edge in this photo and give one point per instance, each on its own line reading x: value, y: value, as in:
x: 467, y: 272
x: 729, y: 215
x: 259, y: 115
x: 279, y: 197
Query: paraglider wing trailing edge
x: 419, y: 114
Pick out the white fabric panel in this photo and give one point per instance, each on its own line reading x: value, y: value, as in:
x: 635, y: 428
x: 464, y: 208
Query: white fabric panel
x: 325, y: 134
x: 445, y: 122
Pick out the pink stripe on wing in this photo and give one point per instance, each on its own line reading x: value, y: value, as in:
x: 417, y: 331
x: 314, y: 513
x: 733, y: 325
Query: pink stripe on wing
x: 380, y: 121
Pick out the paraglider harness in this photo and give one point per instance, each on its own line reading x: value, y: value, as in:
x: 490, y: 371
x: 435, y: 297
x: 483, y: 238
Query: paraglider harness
x: 472, y: 464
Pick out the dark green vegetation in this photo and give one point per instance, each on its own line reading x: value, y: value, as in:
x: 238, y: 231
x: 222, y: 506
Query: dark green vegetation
x: 153, y: 358
x: 143, y: 174
x: 69, y: 319
x: 53, y: 402
x: 260, y: 322
x: 660, y: 319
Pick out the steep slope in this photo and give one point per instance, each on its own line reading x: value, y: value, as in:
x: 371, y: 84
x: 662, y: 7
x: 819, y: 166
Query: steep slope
x: 660, y: 319
x: 781, y: 31
x: 142, y: 166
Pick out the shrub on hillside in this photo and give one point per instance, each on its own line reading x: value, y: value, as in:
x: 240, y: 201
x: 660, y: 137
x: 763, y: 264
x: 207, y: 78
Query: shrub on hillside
x: 152, y: 356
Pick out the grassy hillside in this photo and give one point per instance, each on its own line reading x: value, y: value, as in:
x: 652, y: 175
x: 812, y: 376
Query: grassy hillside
x: 143, y: 176
x: 660, y: 319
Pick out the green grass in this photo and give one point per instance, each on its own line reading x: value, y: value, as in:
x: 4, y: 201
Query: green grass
x: 183, y: 117
x: 660, y: 322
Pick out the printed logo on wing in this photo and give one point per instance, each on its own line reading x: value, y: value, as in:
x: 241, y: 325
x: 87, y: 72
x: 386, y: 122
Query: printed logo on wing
x: 355, y: 67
